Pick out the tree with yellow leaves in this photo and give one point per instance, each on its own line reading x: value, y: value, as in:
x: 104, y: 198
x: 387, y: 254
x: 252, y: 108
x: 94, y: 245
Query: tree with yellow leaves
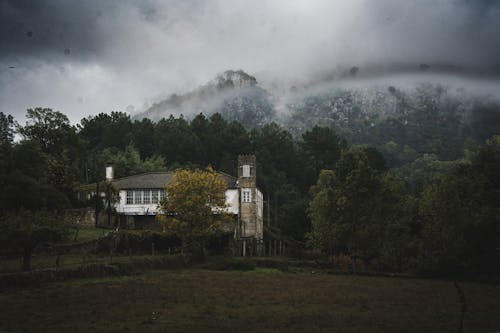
x: 194, y: 207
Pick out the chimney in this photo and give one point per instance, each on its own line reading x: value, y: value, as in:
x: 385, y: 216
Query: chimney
x: 109, y: 173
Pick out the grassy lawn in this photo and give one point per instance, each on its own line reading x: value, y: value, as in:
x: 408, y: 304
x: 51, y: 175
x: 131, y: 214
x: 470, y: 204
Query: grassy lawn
x: 258, y: 301
x: 87, y: 233
x: 65, y: 261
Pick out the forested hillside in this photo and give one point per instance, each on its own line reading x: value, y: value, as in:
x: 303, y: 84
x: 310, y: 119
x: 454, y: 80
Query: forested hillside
x: 420, y: 114
x: 429, y: 206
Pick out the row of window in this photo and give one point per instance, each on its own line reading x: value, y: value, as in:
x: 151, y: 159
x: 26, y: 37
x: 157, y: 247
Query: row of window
x: 155, y: 196
x: 146, y: 196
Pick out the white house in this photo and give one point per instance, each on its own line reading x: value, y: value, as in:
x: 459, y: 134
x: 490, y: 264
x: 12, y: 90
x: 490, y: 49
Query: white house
x: 139, y: 197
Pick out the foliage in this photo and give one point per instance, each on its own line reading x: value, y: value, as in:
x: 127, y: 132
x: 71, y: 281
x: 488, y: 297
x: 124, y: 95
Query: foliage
x: 321, y: 148
x: 141, y: 242
x: 194, y: 207
x: 26, y: 182
x: 404, y: 124
x: 111, y: 197
x: 410, y: 186
x: 51, y: 129
x: 58, y: 143
x: 6, y: 129
x: 460, y: 212
x: 25, y: 230
x: 106, y: 130
x: 249, y: 106
x: 129, y: 162
x: 361, y: 211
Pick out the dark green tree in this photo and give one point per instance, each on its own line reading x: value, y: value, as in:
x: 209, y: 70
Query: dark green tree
x: 143, y: 133
x: 127, y: 162
x: 176, y: 142
x: 26, y: 230
x: 107, y: 130
x: 359, y: 210
x: 25, y: 181
x: 51, y: 129
x: 6, y: 129
x: 321, y: 149
x: 60, y: 144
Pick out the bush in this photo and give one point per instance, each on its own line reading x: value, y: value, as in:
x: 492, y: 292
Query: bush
x: 345, y: 263
x: 138, y: 242
x: 126, y: 241
x: 234, y: 264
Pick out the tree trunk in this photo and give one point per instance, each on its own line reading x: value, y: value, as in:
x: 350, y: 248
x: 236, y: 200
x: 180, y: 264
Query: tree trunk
x: 98, y: 197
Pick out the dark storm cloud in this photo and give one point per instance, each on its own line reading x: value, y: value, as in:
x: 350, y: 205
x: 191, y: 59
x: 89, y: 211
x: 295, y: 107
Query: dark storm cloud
x: 463, y: 31
x: 47, y: 28
x: 103, y: 55
x: 86, y: 30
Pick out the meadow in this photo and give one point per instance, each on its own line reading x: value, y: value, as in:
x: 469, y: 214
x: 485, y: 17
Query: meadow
x: 259, y: 300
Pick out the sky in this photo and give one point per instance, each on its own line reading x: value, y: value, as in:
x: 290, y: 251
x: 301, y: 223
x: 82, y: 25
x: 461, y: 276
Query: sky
x: 92, y: 56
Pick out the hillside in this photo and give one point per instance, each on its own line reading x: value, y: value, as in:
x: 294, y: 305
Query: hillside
x: 405, y: 114
x: 234, y: 94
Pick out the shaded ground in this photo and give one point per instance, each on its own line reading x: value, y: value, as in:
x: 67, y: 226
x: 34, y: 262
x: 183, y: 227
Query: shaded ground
x: 261, y: 300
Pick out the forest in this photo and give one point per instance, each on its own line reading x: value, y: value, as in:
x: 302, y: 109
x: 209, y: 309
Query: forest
x: 420, y: 197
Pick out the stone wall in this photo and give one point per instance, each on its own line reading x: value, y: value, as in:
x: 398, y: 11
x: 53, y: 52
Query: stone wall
x: 80, y: 217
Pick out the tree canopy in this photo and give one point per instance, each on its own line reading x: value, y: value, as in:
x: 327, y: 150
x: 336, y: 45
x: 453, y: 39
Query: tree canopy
x: 410, y: 185
x: 26, y: 230
x: 194, y: 206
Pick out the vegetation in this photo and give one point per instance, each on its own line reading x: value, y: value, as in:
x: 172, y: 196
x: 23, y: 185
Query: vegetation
x: 26, y: 230
x: 83, y: 234
x: 205, y: 300
x: 396, y: 180
x: 188, y: 209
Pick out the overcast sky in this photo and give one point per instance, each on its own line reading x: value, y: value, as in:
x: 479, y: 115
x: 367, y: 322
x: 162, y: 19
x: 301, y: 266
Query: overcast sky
x: 86, y: 57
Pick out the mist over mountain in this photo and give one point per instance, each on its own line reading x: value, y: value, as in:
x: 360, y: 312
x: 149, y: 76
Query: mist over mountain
x: 405, y: 111
x: 234, y: 94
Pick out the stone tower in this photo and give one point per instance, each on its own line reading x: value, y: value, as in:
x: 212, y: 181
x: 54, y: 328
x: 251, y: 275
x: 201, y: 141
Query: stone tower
x: 250, y: 224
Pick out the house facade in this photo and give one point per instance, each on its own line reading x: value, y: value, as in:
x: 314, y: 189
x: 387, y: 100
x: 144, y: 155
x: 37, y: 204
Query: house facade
x: 140, y: 195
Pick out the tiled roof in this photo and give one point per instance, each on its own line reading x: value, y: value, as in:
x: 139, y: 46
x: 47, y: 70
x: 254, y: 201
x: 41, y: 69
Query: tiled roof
x: 159, y: 180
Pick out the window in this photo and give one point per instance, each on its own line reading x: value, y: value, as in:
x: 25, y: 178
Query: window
x: 137, y: 197
x: 146, y: 197
x: 130, y: 197
x: 246, y: 170
x: 246, y: 195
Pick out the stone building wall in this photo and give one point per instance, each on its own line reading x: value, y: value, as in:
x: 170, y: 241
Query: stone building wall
x: 250, y: 218
x: 80, y: 217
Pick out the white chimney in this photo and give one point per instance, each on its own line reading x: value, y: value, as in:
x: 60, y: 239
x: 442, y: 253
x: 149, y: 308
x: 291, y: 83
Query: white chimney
x: 109, y: 173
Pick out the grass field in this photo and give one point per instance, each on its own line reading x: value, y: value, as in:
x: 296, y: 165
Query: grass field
x: 264, y: 300
x: 42, y: 261
x: 86, y: 233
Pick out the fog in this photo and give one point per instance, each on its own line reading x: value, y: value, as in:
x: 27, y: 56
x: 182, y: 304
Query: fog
x: 86, y: 57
